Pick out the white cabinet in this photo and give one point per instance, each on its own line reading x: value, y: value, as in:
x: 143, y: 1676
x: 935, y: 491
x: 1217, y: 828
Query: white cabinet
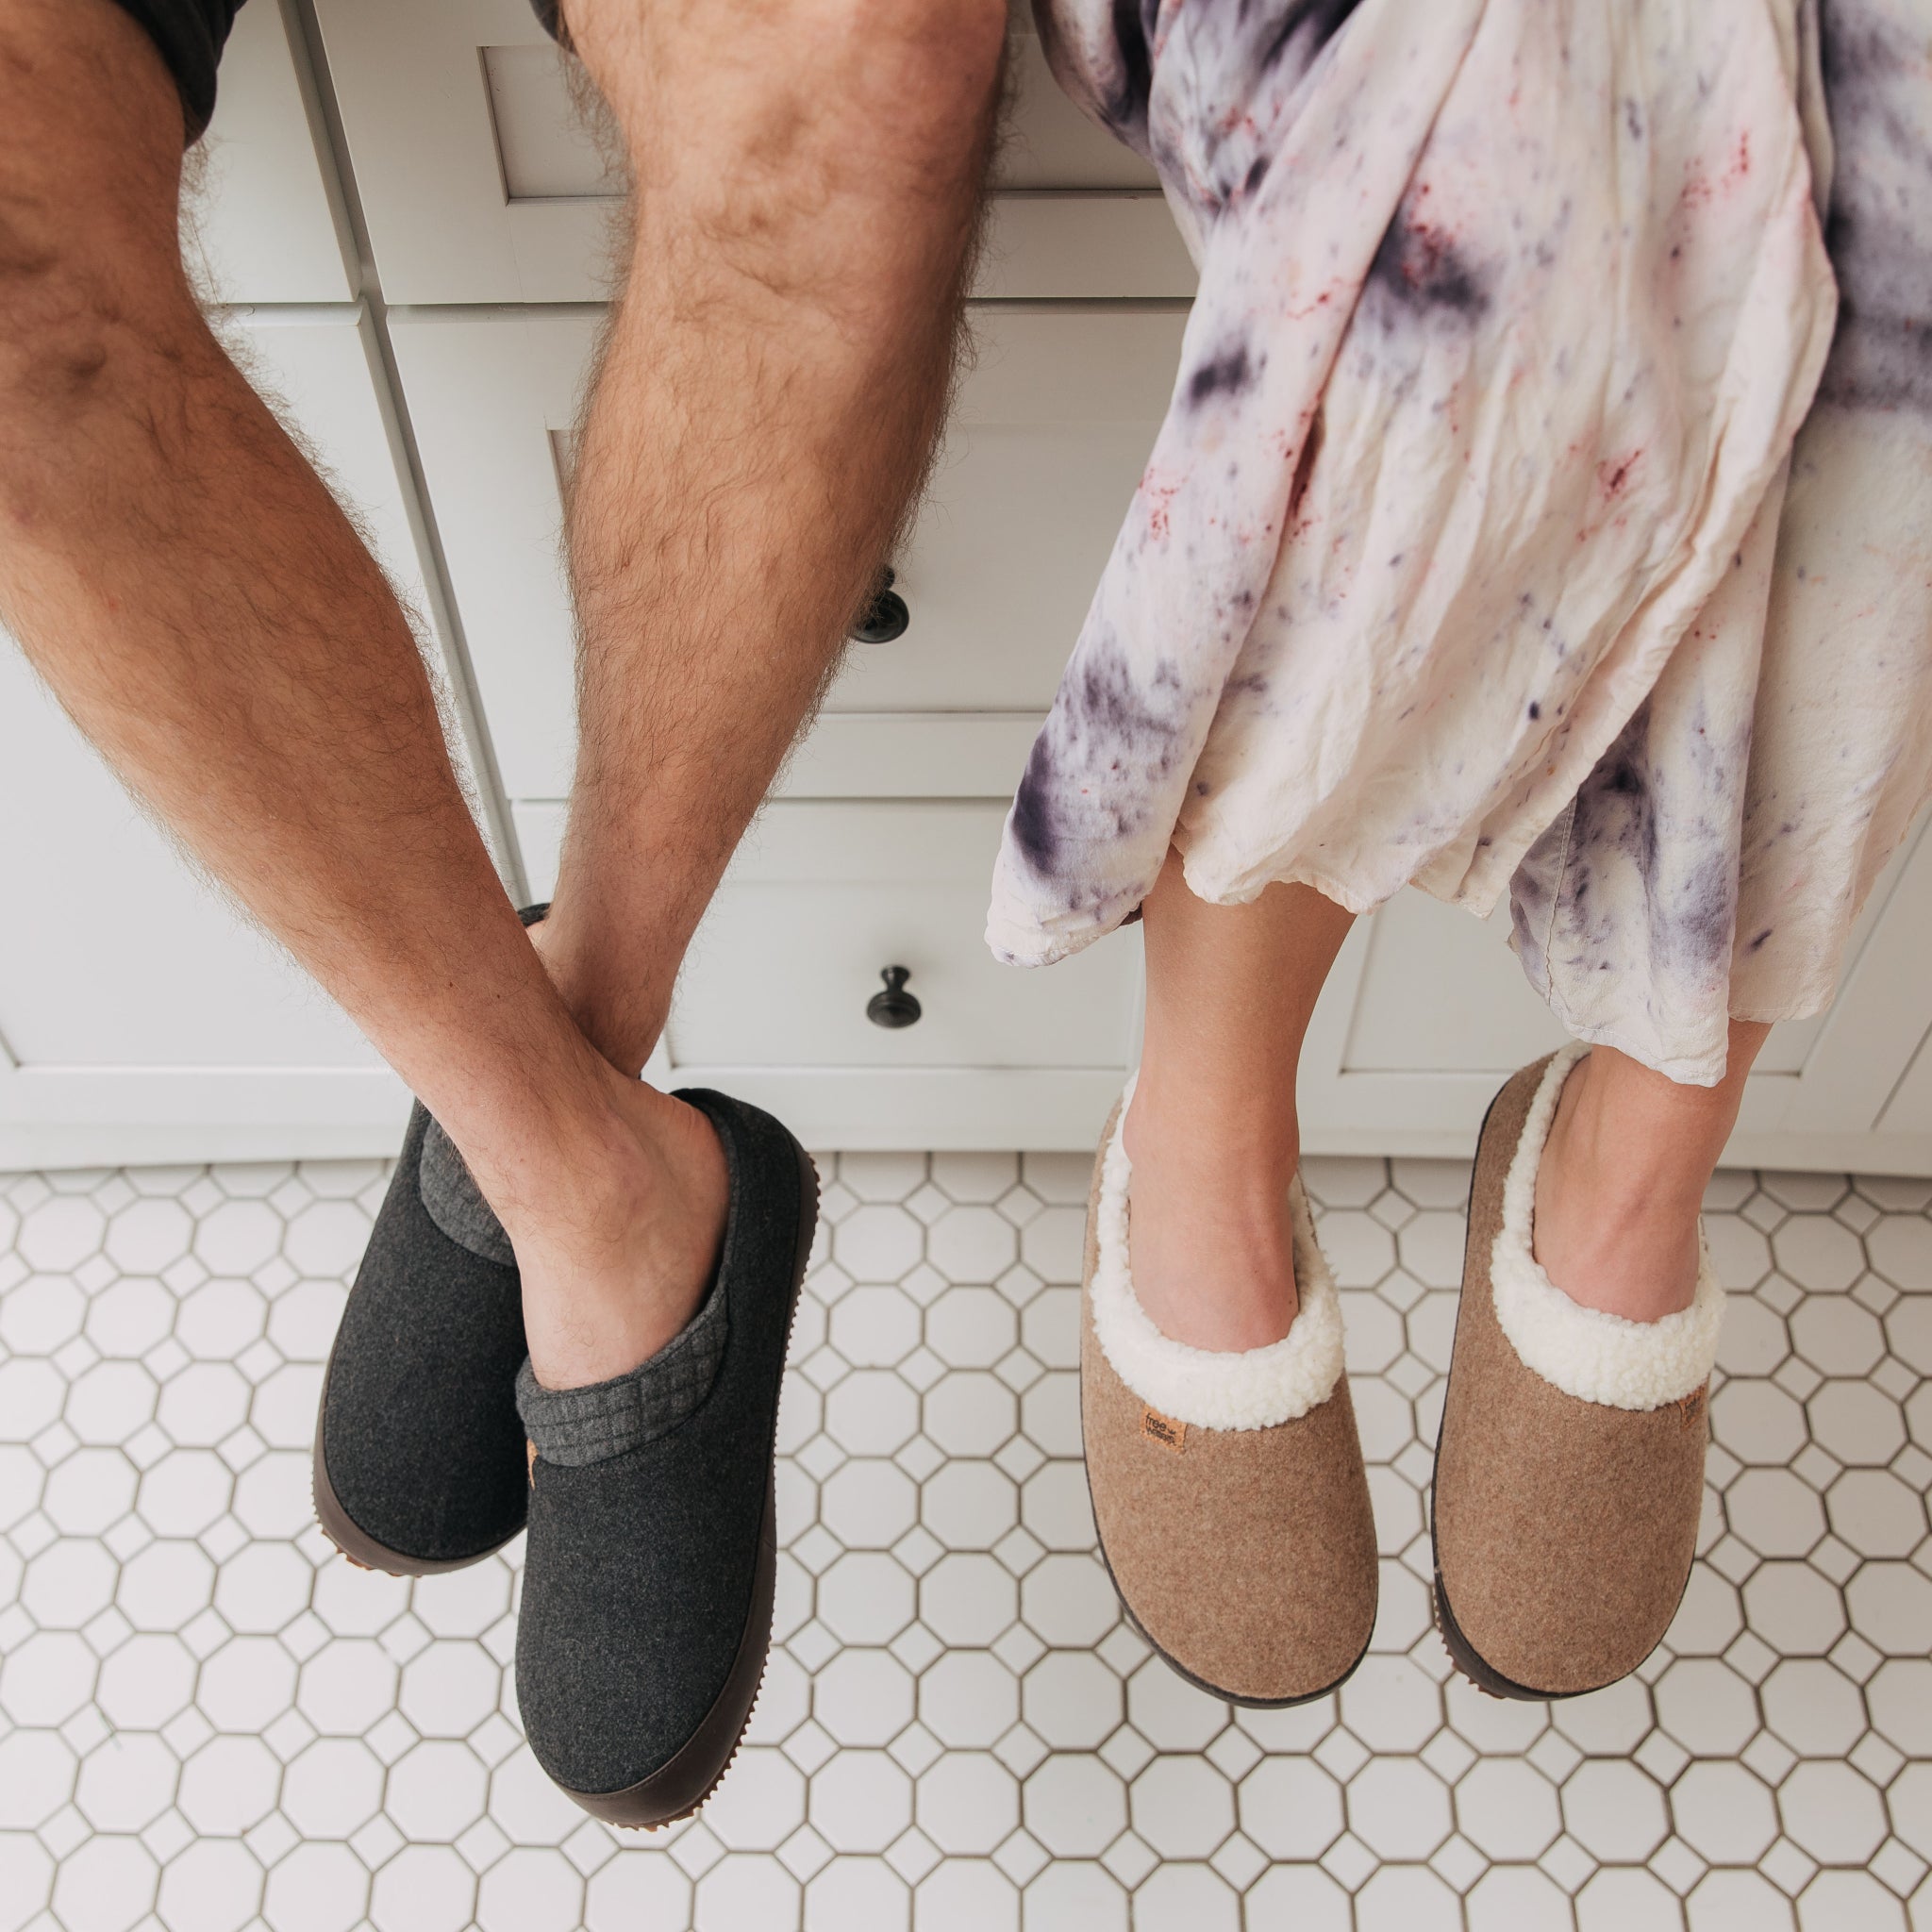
x: 479, y: 182
x: 1053, y: 427
x: 263, y: 208
x: 140, y: 1018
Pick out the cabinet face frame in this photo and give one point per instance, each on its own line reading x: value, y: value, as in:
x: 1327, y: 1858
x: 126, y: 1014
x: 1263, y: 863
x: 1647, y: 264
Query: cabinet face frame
x: 413, y: 89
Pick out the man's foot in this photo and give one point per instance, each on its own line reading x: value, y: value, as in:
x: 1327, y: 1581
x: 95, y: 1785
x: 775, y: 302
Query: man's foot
x: 617, y: 1254
x: 1617, y: 1196
x: 419, y: 1455
x: 650, y: 1570
x: 1213, y: 1240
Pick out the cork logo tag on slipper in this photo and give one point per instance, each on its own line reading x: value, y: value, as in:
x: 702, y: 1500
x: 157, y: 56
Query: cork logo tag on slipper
x: 1172, y: 1436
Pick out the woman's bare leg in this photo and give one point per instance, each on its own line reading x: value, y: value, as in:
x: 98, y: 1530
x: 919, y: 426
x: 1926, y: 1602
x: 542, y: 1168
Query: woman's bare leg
x: 1212, y: 1132
x: 1622, y: 1178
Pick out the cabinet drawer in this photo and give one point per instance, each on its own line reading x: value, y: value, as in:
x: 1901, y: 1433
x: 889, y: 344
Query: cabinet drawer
x: 1047, y: 441
x: 480, y: 183
x: 821, y: 897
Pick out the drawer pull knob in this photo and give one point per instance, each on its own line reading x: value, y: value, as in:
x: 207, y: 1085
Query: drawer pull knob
x: 883, y: 619
x: 895, y: 1006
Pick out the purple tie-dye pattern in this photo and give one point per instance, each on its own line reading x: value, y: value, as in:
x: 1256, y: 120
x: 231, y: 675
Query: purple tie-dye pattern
x: 1099, y: 797
x: 1453, y: 557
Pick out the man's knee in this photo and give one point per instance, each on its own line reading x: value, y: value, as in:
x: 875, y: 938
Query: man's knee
x: 90, y: 173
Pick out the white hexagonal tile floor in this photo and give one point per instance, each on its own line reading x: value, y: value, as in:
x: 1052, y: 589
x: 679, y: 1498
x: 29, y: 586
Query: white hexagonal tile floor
x: 209, y: 1723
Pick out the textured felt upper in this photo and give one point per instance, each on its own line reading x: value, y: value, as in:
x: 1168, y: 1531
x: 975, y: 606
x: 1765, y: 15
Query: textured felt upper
x: 639, y: 1581
x: 420, y: 1435
x: 1564, y: 1529
x: 1248, y: 1556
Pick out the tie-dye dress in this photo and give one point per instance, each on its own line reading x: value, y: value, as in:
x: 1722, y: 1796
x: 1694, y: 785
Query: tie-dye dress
x: 1545, y: 502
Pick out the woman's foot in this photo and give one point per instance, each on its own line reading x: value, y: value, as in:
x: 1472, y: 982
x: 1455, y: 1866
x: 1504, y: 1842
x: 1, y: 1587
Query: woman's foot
x: 1212, y: 1240
x: 1243, y: 1466
x: 1622, y: 1178
x: 1570, y: 1456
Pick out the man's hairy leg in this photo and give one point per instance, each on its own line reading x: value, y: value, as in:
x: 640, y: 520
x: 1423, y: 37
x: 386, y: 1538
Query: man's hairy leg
x: 808, y: 179
x: 198, y: 603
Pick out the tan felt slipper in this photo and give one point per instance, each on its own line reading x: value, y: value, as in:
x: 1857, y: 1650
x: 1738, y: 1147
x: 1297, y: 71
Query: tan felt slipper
x: 1229, y: 1490
x: 1570, y: 1462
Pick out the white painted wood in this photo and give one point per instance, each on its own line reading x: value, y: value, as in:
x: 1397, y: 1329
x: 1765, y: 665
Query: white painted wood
x: 896, y: 755
x: 415, y: 109
x: 910, y: 755
x: 480, y: 183
x: 262, y: 204
x: 1090, y: 247
x: 1884, y: 1007
x: 145, y: 1018
x: 1910, y: 1111
x: 1441, y: 992
x: 493, y: 398
x: 1048, y: 142
x: 1053, y: 427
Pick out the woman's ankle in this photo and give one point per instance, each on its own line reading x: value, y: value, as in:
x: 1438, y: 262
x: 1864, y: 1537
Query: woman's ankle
x: 1210, y: 1235
x: 1616, y: 1214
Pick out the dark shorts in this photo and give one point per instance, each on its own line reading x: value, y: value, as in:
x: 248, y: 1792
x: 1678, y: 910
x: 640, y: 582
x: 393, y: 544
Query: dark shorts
x: 191, y: 35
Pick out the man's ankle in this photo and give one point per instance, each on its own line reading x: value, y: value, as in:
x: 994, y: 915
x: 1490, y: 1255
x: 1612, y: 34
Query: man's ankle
x: 621, y: 1021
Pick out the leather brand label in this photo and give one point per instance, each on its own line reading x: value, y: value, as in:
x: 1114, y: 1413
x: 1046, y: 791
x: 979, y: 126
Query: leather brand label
x: 1158, y: 1428
x: 1691, y: 1406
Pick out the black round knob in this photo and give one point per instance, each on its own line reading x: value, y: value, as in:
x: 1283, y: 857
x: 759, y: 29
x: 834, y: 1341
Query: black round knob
x: 895, y: 1006
x: 884, y: 618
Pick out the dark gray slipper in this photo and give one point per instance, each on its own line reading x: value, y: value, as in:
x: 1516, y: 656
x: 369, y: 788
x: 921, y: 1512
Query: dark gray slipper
x: 418, y: 1450
x: 649, y: 1575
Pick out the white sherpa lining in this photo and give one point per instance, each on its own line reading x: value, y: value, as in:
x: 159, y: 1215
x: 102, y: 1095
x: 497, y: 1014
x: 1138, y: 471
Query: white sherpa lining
x: 1588, y: 1353
x: 1204, y: 1388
